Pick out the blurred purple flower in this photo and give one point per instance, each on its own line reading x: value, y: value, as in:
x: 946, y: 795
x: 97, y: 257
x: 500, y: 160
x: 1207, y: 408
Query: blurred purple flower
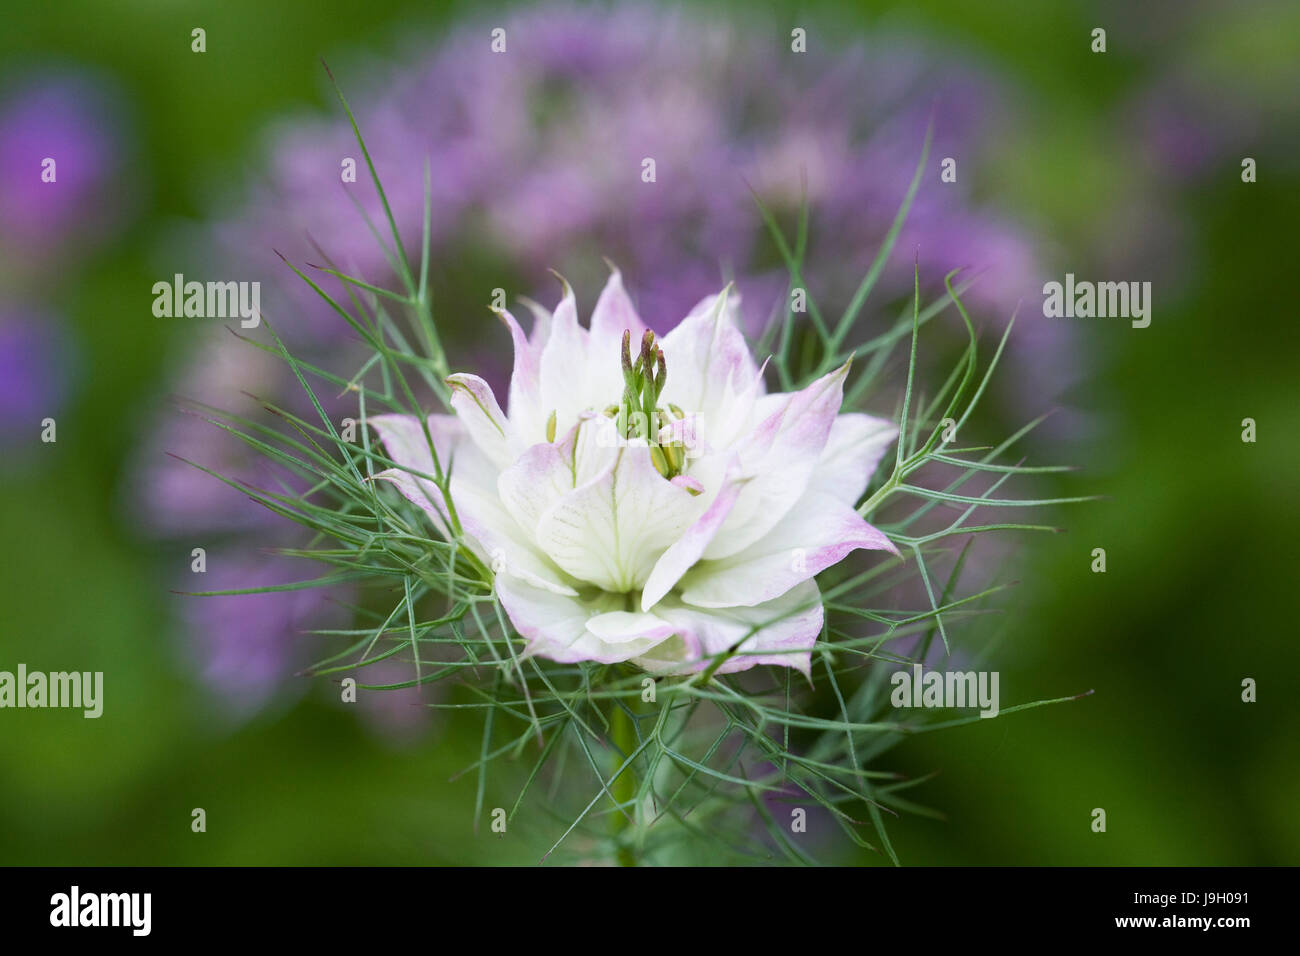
x: 244, y: 644
x: 538, y: 152
x: 1189, y: 126
x: 34, y: 373
x: 71, y: 119
x: 179, y: 498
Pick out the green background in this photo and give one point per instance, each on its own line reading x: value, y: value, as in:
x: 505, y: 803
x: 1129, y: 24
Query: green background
x: 1199, y: 528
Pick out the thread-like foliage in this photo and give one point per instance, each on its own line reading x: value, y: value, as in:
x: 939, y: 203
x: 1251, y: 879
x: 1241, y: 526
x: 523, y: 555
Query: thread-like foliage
x: 677, y: 770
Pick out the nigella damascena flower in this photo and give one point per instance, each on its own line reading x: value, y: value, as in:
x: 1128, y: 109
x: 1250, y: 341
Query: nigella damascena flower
x: 647, y: 499
x: 536, y: 159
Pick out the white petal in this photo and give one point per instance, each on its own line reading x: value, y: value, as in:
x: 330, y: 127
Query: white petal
x: 579, y: 629
x: 494, y: 536
x: 535, y: 482
x: 610, y: 531
x: 780, y: 456
x: 816, y: 533
x: 708, y: 360
x: 782, y: 632
x: 525, y: 412
x: 484, y: 422
x: 853, y: 450
x: 627, y: 627
x: 547, y: 471
x: 689, y: 548
x: 564, y: 372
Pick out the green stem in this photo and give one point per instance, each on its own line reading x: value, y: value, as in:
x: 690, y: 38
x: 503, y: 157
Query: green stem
x: 885, y: 490
x: 624, y: 789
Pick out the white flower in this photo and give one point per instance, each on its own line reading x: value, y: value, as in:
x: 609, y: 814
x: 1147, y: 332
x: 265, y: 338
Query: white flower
x: 609, y: 547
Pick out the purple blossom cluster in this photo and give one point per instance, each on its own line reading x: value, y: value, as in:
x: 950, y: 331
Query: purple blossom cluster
x: 539, y: 153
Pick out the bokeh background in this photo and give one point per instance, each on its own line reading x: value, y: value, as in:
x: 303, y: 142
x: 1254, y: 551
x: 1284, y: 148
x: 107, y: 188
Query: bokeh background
x: 1123, y: 165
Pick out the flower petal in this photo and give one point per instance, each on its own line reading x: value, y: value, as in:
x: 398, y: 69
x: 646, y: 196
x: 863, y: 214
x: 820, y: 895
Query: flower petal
x: 541, y: 323
x: 484, y: 422
x: 709, y: 365
x: 493, y: 534
x: 782, y: 631
x: 780, y: 456
x: 853, y: 450
x: 525, y: 411
x: 549, y: 470
x: 688, y: 549
x: 614, y: 314
x: 611, y: 531
x: 564, y: 371
x: 569, y: 628
x: 404, y: 440
x: 815, y: 534
x: 625, y: 627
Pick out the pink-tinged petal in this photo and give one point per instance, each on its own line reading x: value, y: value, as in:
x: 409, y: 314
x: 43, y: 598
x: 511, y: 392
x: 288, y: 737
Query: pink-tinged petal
x: 483, y: 419
x: 541, y: 323
x: 614, y: 314
x: 708, y: 360
x: 611, y: 531
x: 525, y: 412
x: 782, y: 632
x: 564, y: 365
x: 491, y: 533
x: 693, y: 485
x: 547, y: 471
x: 423, y: 494
x: 688, y: 549
x: 780, y: 456
x: 818, y: 532
x: 569, y: 629
x: 854, y: 448
x: 405, y: 443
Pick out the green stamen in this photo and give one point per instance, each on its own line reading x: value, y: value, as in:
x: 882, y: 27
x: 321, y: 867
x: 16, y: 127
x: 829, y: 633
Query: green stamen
x: 643, y: 383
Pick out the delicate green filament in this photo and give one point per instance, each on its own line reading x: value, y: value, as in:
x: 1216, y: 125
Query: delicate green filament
x: 643, y: 383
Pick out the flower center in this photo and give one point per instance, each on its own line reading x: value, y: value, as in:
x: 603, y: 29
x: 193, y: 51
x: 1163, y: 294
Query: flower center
x: 638, y: 414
